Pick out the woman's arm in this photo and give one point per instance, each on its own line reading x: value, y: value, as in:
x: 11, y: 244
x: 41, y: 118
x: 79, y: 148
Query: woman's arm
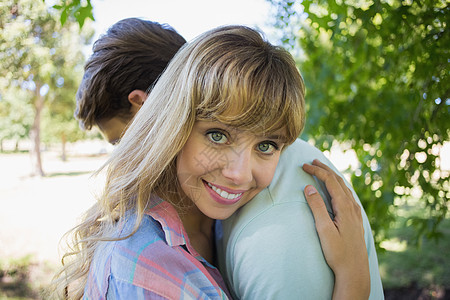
x: 342, y: 239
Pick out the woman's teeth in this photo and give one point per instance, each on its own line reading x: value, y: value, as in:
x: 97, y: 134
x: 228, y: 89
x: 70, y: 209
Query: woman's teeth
x: 224, y: 194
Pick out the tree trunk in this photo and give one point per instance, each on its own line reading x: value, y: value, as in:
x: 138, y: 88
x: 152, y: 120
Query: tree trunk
x: 63, y: 150
x: 35, y: 134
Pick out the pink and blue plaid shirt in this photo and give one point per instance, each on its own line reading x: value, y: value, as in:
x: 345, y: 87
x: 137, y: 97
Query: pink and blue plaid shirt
x: 157, y: 262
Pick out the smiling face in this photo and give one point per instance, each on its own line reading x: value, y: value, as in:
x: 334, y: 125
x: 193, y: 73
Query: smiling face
x: 221, y: 168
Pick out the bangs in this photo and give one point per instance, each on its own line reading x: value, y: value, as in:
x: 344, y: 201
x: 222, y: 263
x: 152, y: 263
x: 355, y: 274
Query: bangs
x: 259, y: 94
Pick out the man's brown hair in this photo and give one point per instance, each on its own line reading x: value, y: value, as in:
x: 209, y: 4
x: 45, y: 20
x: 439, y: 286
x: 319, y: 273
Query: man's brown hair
x: 131, y: 55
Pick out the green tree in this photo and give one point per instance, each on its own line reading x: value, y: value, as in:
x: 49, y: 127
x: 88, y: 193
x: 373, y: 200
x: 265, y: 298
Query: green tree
x: 76, y: 9
x: 59, y: 124
x: 15, y: 120
x: 377, y: 81
x: 42, y: 59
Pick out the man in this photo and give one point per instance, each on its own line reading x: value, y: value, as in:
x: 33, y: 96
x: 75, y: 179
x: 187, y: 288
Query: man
x: 126, y: 62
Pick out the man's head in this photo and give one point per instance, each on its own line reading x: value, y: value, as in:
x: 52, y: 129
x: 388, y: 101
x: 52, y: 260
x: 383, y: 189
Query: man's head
x: 126, y: 62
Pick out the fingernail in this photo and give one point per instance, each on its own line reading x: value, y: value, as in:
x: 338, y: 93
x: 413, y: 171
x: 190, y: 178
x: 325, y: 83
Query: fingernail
x: 310, y: 190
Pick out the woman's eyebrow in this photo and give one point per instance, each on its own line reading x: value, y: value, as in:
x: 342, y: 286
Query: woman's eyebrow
x: 274, y: 136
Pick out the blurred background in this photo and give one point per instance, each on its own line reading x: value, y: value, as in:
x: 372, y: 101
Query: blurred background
x: 378, y: 104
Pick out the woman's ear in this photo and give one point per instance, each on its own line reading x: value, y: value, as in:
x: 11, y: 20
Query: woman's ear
x: 137, y: 99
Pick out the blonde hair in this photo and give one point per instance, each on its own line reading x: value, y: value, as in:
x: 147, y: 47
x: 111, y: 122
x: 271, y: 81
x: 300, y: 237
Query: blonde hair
x: 229, y: 74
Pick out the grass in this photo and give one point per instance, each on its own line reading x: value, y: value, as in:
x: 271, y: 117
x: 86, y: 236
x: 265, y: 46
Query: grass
x: 420, y: 270
x: 15, y: 278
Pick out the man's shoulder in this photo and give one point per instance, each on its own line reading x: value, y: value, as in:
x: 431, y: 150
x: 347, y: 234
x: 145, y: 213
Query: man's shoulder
x: 300, y: 152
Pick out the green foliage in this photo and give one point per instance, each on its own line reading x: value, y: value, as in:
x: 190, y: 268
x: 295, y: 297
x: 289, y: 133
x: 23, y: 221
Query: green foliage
x: 75, y: 9
x: 377, y: 79
x: 15, y: 119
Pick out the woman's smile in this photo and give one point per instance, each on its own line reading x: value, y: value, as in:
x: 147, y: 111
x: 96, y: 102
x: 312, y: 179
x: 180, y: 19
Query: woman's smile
x: 223, y: 195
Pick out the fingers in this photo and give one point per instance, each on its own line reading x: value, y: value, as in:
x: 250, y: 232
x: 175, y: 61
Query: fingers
x: 326, y: 229
x: 342, y: 239
x: 319, y: 210
x: 341, y: 196
x: 325, y: 174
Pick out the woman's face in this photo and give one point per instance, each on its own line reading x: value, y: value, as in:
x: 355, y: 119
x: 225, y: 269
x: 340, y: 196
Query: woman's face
x: 221, y: 168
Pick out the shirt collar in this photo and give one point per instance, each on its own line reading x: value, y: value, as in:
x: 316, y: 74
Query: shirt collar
x: 175, y: 234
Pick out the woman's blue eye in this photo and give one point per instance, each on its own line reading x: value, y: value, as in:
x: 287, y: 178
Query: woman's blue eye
x: 267, y: 148
x: 217, y: 137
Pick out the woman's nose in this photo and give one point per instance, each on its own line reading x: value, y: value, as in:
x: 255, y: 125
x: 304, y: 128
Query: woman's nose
x: 238, y: 167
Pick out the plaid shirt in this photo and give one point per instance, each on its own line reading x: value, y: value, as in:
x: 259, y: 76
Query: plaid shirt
x: 157, y: 262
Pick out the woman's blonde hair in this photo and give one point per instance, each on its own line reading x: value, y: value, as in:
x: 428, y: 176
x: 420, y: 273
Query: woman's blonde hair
x: 229, y: 74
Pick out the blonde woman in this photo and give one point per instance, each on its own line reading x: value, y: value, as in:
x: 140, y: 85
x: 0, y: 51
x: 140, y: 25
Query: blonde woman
x: 204, y: 143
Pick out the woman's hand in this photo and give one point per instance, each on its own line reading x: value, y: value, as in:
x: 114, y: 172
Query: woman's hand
x: 342, y: 240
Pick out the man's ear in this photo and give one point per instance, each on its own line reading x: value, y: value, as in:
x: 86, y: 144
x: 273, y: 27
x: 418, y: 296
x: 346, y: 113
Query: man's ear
x: 137, y: 99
